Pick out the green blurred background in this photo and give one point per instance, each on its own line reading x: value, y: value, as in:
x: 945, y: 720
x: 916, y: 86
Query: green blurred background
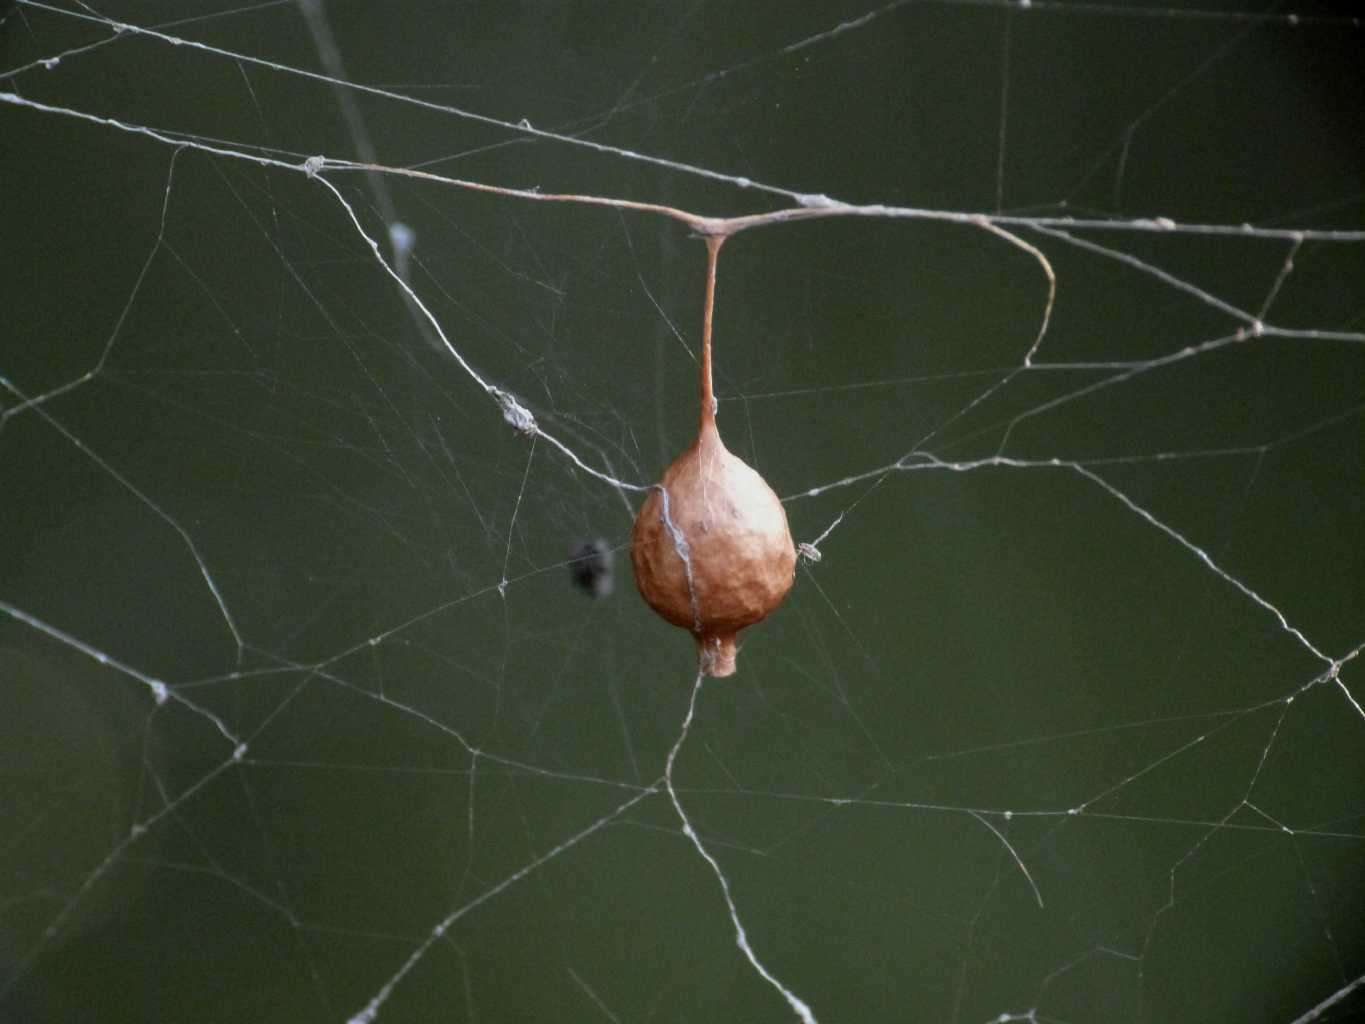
x: 276, y: 493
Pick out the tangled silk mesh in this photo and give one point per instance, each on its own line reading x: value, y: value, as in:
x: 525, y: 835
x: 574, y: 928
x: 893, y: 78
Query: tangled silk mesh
x: 303, y: 716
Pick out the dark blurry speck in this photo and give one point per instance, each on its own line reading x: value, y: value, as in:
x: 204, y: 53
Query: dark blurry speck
x: 591, y: 567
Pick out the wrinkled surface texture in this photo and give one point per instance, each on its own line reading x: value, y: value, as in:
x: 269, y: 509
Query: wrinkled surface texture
x: 740, y: 548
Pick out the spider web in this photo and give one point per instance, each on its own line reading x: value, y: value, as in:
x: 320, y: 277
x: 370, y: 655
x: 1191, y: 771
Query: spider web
x: 303, y: 716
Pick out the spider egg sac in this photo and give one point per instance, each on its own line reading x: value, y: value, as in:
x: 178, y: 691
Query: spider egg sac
x: 740, y: 558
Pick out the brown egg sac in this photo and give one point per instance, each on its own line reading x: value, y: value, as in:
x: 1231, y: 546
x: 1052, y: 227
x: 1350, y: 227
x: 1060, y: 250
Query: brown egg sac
x: 739, y: 548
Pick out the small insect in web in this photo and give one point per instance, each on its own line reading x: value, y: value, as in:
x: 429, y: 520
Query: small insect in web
x: 591, y: 567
